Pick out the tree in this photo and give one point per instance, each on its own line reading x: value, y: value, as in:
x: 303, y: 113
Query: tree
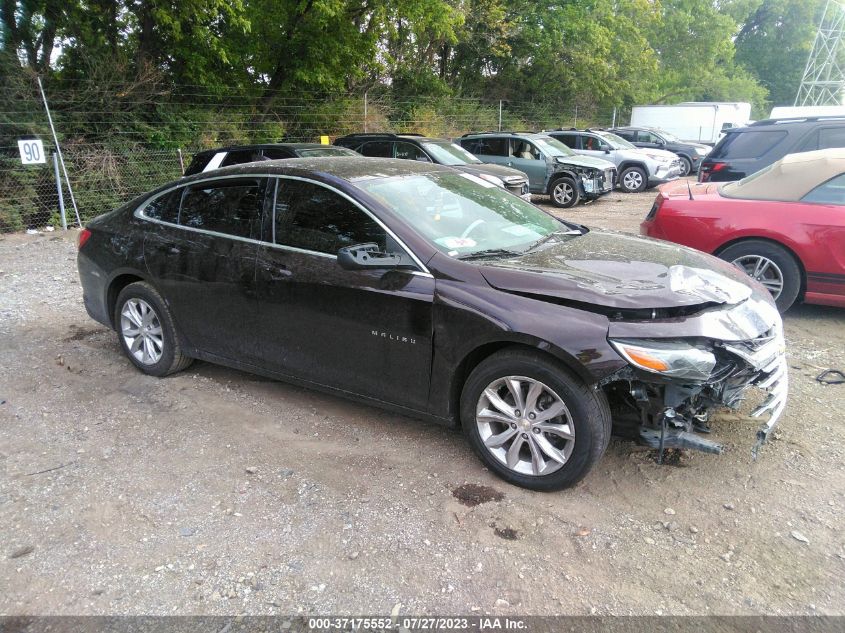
x: 774, y: 43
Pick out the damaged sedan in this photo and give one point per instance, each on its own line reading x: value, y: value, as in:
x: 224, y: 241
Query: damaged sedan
x: 438, y: 295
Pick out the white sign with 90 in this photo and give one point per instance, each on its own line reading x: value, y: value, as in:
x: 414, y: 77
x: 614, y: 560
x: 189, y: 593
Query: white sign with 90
x: 32, y: 152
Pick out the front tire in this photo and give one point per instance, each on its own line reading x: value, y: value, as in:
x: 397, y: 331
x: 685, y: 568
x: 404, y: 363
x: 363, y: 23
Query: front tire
x: 686, y: 166
x: 633, y: 180
x: 564, y: 193
x: 146, y: 331
x: 771, y: 265
x: 533, y: 423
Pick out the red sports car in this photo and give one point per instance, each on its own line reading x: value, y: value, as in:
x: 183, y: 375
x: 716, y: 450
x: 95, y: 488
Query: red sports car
x: 784, y: 225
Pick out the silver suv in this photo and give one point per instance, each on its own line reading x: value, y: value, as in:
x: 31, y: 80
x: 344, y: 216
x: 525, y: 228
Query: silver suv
x: 638, y: 168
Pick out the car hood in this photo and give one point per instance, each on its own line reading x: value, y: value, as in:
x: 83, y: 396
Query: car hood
x: 585, y: 161
x: 494, y: 170
x: 616, y: 270
x: 665, y: 154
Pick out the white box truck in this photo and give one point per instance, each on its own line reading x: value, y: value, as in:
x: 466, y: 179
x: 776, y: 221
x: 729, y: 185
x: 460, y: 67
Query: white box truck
x: 693, y: 121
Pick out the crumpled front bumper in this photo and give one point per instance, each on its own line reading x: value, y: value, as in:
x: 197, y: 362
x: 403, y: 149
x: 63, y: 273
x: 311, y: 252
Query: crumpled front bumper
x: 773, y: 377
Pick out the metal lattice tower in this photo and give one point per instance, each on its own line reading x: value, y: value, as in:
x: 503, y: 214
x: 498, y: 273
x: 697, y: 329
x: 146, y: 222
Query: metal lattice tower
x: 823, y: 82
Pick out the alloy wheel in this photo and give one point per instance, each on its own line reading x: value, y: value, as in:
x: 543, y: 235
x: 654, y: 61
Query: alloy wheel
x: 632, y: 181
x: 142, y: 332
x: 763, y: 270
x: 563, y: 192
x: 525, y: 425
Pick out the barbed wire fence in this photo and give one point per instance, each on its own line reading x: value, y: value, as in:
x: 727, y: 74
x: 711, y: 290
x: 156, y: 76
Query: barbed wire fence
x: 121, y: 141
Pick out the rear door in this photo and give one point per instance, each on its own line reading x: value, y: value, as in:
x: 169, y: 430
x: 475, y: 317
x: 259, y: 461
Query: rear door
x: 365, y: 331
x: 494, y: 150
x: 202, y: 260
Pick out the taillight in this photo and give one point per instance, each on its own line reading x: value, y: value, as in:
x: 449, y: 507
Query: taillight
x: 83, y: 236
x: 658, y: 202
x: 709, y: 168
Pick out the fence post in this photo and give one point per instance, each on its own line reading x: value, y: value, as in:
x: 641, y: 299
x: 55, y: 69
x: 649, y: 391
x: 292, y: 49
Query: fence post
x: 614, y: 117
x: 59, y: 191
x: 365, y: 112
x: 575, y: 125
x: 181, y: 160
x: 59, y: 151
x: 500, y: 115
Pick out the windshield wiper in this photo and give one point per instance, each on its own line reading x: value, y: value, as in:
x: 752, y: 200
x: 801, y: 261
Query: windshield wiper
x: 490, y: 252
x: 546, y: 238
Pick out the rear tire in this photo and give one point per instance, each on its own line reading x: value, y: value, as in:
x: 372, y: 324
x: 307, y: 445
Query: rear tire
x: 560, y: 431
x: 771, y: 265
x: 633, y: 180
x: 146, y: 332
x: 564, y: 192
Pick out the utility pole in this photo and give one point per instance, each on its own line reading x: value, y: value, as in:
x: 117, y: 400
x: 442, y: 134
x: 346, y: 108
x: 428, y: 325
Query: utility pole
x: 824, y: 77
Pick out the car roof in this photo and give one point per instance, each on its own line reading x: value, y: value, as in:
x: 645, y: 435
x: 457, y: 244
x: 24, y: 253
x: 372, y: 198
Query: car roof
x: 508, y: 134
x: 380, y: 136
x: 790, y: 178
x: 345, y: 167
x: 236, y: 148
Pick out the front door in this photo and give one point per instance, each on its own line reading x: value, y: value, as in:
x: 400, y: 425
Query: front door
x: 527, y: 158
x: 202, y: 260
x: 366, y: 331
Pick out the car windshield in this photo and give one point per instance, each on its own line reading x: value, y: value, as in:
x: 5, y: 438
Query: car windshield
x: 553, y: 147
x: 465, y: 216
x: 325, y: 151
x: 450, y: 154
x: 616, y: 142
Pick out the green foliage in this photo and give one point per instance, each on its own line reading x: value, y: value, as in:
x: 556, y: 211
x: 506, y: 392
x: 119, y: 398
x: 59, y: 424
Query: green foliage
x: 774, y: 43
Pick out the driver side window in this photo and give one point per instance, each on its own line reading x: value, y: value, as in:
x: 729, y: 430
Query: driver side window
x: 315, y: 218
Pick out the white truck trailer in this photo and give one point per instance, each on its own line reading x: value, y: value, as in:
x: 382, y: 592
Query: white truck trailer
x: 693, y: 121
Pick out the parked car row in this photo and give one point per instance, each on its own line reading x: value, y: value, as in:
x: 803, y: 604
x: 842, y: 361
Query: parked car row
x: 557, y: 164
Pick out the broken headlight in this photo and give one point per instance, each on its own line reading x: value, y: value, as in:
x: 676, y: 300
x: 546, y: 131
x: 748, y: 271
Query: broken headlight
x: 674, y: 359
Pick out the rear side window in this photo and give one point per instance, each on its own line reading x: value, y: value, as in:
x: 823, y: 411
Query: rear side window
x: 628, y: 135
x: 747, y: 144
x: 231, y: 206
x: 241, y: 156
x: 198, y: 163
x: 315, y: 218
x: 830, y: 192
x: 276, y: 153
x: 570, y: 140
x: 410, y: 151
x: 378, y: 149
x: 487, y: 146
x: 164, y: 208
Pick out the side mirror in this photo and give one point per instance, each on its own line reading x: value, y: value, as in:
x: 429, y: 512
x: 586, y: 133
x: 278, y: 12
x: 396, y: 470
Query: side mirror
x: 366, y: 257
x: 606, y: 149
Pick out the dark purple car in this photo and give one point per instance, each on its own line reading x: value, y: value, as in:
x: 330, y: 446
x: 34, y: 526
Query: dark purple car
x: 439, y: 295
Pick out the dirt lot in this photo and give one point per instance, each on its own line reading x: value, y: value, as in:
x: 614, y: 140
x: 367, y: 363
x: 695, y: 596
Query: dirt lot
x: 217, y: 492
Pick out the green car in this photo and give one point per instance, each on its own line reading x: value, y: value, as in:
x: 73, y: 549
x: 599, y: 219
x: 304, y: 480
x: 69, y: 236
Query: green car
x: 552, y: 168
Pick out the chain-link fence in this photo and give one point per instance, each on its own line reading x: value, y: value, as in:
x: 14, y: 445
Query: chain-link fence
x: 118, y: 143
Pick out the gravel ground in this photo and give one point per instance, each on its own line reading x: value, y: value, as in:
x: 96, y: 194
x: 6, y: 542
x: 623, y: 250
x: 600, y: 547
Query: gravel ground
x: 217, y: 492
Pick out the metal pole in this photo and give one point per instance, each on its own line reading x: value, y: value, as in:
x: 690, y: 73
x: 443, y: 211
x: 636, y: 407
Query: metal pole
x: 614, y: 117
x: 181, y: 160
x: 500, y: 115
x: 59, y: 191
x: 59, y: 151
x: 365, y: 112
x: 575, y: 125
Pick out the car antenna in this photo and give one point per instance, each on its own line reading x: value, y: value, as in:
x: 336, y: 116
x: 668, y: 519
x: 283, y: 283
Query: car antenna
x: 689, y: 190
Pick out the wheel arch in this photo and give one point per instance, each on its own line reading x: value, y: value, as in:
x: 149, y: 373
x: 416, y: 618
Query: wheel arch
x: 759, y: 238
x: 477, y: 355
x: 625, y: 164
x: 118, y: 283
x: 557, y: 175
